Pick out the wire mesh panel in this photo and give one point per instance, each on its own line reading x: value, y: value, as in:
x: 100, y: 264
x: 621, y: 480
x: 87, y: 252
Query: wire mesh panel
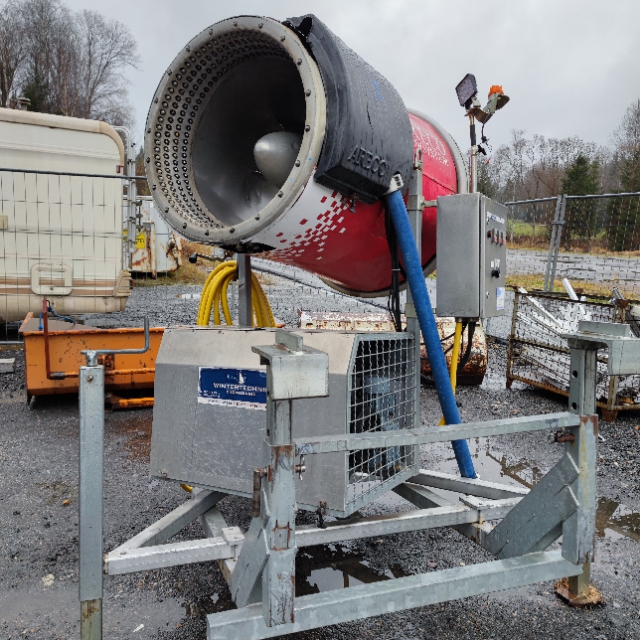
x: 599, y: 246
x: 539, y: 355
x: 61, y: 240
x: 382, y: 392
x: 530, y: 223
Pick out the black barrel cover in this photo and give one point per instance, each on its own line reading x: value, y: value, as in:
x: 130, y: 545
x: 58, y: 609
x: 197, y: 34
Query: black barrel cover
x: 368, y: 134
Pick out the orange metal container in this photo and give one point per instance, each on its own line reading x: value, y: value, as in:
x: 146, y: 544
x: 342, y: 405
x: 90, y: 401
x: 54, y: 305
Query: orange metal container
x: 122, y: 372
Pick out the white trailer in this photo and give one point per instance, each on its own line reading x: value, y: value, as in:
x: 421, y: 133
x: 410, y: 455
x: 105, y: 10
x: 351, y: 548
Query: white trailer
x: 60, y: 234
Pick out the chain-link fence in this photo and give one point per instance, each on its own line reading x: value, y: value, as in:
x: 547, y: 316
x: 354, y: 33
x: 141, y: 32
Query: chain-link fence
x: 593, y: 241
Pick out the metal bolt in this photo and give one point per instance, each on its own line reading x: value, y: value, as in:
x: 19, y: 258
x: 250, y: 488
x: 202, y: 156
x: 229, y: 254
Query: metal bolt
x: 282, y: 38
x: 168, y: 72
x: 307, y: 127
x: 148, y: 130
x: 188, y: 48
x: 164, y: 473
x: 307, y: 92
x: 299, y: 61
x: 206, y: 233
x: 184, y: 225
x: 166, y: 210
x: 257, y: 217
x: 280, y: 194
x: 297, y: 163
x: 153, y: 187
x: 148, y: 159
x: 260, y: 26
x: 89, y: 378
x: 300, y: 468
x: 232, y: 230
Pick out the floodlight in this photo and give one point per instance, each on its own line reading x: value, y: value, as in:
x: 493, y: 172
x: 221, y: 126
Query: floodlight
x: 466, y: 90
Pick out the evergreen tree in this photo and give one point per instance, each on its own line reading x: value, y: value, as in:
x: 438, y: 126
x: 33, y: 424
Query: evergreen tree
x: 582, y: 178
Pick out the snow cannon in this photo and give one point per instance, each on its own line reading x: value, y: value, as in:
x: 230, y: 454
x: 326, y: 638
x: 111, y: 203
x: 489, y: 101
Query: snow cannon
x: 275, y: 138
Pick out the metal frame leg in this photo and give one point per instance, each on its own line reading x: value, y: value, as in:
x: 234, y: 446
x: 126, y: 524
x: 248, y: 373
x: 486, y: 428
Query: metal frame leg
x: 578, y: 532
x: 278, y: 575
x: 91, y: 511
x: 415, y: 206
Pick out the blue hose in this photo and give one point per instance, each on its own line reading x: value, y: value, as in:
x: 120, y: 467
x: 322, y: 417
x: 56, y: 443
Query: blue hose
x: 398, y: 212
x: 50, y: 310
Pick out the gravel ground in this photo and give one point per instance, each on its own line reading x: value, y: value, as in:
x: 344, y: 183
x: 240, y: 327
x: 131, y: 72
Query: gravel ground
x: 39, y: 498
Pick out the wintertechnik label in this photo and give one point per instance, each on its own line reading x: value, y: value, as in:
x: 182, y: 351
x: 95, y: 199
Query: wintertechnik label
x: 245, y: 388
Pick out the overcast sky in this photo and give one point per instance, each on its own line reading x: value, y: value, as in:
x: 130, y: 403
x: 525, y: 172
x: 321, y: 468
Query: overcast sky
x: 571, y: 67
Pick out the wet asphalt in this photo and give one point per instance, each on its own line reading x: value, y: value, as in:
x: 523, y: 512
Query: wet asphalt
x: 39, y: 517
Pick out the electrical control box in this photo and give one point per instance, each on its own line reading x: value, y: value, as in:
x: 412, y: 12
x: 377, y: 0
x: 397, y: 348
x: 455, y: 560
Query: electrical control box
x: 471, y: 256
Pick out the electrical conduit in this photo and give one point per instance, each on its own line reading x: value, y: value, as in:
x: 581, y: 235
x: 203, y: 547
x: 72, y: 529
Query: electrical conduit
x: 395, y: 205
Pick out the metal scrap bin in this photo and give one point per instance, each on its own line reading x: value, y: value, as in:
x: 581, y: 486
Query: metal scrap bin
x: 539, y: 356
x: 65, y: 344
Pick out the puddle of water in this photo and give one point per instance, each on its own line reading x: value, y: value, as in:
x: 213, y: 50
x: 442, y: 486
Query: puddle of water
x: 490, y: 465
x: 613, y: 519
x: 326, y: 568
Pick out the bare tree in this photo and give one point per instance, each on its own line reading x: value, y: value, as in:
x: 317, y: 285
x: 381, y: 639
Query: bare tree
x: 626, y: 140
x: 107, y: 49
x: 73, y: 64
x: 13, y: 49
x: 535, y: 167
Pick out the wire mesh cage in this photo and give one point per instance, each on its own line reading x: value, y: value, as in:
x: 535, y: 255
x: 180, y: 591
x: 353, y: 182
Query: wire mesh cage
x: 381, y: 397
x: 539, y: 356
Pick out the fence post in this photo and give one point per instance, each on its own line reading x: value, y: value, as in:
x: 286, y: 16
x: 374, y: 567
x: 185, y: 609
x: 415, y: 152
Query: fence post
x: 548, y: 284
x: 560, y: 225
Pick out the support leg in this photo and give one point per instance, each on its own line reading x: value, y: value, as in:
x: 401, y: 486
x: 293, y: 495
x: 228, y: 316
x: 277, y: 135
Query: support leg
x: 579, y: 530
x: 91, y: 465
x: 278, y: 576
x: 245, y: 312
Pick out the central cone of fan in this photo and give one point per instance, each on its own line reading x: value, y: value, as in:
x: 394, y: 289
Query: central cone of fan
x: 275, y: 155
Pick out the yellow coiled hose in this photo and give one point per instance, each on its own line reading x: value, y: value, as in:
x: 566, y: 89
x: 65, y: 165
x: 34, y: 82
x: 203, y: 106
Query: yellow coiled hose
x: 214, y: 296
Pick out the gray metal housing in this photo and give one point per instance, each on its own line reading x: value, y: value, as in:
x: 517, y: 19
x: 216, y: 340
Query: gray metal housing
x: 217, y: 446
x: 471, y: 256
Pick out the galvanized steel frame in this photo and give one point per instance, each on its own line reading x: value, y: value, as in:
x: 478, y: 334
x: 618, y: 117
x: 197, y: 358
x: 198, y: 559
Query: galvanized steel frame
x: 260, y: 565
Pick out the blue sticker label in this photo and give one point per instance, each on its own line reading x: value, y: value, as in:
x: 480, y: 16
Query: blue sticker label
x: 245, y: 388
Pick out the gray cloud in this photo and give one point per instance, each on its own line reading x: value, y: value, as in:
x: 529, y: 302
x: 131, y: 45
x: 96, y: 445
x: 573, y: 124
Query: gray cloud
x: 571, y: 67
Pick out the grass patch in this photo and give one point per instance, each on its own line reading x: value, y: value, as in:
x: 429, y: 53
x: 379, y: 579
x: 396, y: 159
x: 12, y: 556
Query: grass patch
x: 536, y: 283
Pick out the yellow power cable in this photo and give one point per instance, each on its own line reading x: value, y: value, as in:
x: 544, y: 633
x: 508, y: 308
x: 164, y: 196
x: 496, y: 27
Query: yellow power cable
x: 214, y: 297
x: 455, y: 355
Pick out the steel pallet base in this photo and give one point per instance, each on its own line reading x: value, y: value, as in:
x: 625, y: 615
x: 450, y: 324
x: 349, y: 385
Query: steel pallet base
x: 514, y: 524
